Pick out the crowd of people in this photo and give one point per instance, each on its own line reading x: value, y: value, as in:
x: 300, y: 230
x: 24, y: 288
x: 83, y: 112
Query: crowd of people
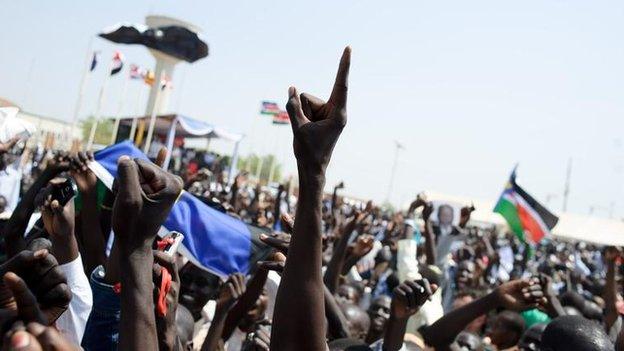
x: 340, y: 275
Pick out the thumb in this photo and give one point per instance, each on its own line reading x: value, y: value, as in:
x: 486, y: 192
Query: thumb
x: 293, y: 107
x: 23, y: 341
x: 129, y: 186
x: 27, y: 306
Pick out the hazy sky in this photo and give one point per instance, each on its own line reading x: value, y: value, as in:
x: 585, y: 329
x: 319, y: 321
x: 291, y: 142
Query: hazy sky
x: 469, y: 87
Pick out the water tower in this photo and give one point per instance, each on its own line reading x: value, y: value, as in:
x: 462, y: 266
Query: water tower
x: 164, y: 62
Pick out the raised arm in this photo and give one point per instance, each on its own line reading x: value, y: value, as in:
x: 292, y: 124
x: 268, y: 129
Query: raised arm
x: 145, y: 196
x: 406, y: 301
x: 610, y: 290
x: 515, y: 295
x: 317, y: 125
x: 16, y: 226
x: 334, y: 267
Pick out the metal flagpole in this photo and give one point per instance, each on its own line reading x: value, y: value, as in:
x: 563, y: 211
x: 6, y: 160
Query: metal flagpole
x: 150, y: 130
x: 398, y: 147
x: 566, y: 189
x: 83, y: 83
x: 135, y: 120
x: 274, y: 156
x: 122, y: 101
x: 98, y: 110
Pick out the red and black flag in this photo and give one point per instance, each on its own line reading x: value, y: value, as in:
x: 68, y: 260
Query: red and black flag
x: 117, y: 63
x: 526, y: 217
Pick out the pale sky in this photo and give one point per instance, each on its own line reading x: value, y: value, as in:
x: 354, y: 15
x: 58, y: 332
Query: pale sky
x: 469, y: 87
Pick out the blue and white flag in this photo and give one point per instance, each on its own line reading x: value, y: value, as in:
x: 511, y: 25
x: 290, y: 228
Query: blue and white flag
x: 213, y: 240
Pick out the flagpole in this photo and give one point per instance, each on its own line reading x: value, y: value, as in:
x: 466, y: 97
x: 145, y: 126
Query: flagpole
x: 81, y: 89
x: 98, y: 110
x: 135, y: 120
x: 275, y: 144
x: 566, y: 189
x: 150, y: 130
x: 122, y: 101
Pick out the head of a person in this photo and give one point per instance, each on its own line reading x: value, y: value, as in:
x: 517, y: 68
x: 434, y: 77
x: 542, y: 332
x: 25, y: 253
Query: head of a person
x: 467, y: 341
x: 506, y: 329
x: 185, y: 325
x: 3, y: 203
x: 531, y: 340
x: 465, y: 274
x: 575, y: 333
x: 359, y: 321
x: 197, y: 286
x: 445, y: 214
x: 476, y: 326
x: 256, y: 314
x: 379, y: 312
x: 348, y: 293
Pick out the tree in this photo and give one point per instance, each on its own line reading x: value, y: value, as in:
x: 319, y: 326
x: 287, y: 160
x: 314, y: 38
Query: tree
x: 102, y: 134
x: 250, y: 163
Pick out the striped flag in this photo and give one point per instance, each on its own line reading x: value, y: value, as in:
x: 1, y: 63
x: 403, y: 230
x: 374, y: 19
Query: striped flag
x: 213, y: 240
x: 166, y: 83
x: 137, y: 72
x: 149, y: 78
x: 526, y: 217
x: 281, y: 118
x: 94, y: 61
x: 269, y: 108
x: 117, y: 63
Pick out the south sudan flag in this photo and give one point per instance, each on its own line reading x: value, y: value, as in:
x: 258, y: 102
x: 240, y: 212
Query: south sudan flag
x: 529, y: 220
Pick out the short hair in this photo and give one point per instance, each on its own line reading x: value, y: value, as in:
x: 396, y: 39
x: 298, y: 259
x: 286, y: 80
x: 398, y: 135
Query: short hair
x: 513, y: 321
x: 575, y: 333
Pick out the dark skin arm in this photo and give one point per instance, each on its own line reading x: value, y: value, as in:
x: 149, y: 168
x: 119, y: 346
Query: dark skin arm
x: 430, y: 244
x: 317, y: 126
x: 552, y: 305
x: 231, y: 290
x: 59, y: 223
x: 355, y: 251
x: 16, y: 226
x: 610, y: 289
x: 337, y: 324
x: 245, y: 303
x: 406, y: 301
x: 515, y: 295
x: 145, y: 196
x: 332, y: 274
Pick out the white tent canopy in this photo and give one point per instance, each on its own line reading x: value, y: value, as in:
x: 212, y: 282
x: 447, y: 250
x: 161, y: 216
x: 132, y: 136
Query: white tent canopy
x: 175, y: 125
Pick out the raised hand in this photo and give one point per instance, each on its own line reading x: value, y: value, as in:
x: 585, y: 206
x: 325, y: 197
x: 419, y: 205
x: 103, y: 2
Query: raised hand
x: 59, y: 162
x: 59, y: 222
x: 317, y: 124
x: 410, y: 296
x: 36, y: 337
x: 278, y: 241
x: 464, y: 215
x: 40, y: 272
x: 84, y: 177
x: 145, y: 196
x: 231, y: 290
x: 362, y: 245
x: 519, y: 295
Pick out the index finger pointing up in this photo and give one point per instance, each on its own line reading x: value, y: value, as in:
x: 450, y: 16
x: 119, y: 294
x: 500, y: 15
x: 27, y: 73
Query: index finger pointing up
x: 339, y: 93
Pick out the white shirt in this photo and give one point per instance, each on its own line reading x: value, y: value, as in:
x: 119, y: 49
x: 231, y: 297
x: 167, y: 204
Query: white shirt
x: 73, y: 321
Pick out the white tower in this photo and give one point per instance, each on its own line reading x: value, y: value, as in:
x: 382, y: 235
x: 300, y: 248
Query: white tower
x: 164, y: 63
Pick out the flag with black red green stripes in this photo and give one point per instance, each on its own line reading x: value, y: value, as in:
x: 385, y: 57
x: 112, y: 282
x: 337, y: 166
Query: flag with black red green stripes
x: 526, y: 217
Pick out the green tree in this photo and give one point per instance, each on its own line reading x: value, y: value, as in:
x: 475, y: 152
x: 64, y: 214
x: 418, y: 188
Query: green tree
x: 250, y: 163
x: 102, y: 134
